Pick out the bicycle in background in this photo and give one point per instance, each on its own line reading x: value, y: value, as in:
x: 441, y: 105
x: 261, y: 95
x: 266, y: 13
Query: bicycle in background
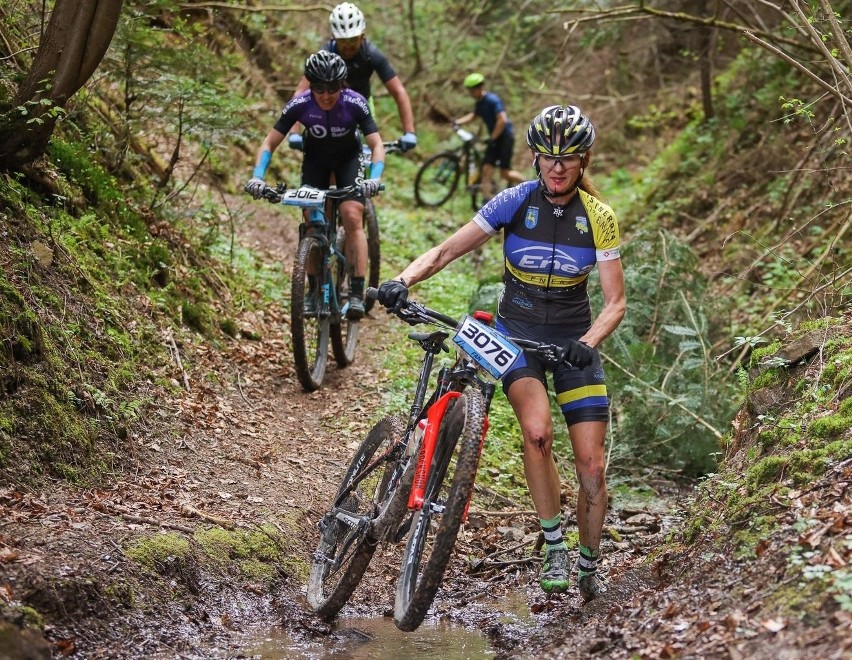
x: 319, y: 285
x: 439, y: 176
x: 426, y: 467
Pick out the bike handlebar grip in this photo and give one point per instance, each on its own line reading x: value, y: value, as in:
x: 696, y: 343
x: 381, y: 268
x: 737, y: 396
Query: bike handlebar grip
x: 372, y: 293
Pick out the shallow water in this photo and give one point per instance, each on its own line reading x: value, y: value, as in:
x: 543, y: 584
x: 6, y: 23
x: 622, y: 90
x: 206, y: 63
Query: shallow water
x: 374, y: 639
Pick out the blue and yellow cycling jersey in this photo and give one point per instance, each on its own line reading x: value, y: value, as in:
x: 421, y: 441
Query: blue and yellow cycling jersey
x: 549, y: 252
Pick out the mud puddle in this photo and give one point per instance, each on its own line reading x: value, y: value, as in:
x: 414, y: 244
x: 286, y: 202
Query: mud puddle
x: 374, y: 639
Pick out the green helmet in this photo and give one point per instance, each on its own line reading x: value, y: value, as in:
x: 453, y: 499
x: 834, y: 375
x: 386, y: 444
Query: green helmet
x: 474, y: 80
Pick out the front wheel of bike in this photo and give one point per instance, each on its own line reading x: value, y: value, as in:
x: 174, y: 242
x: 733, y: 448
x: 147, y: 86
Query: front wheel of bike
x: 437, y: 179
x: 348, y: 534
x: 374, y: 257
x: 309, y: 320
x: 436, y: 526
x: 344, y: 331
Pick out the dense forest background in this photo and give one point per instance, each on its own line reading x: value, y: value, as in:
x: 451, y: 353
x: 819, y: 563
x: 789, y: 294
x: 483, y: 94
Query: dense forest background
x: 128, y: 128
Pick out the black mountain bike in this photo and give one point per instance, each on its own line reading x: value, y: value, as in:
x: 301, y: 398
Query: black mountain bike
x: 319, y: 286
x: 439, y: 175
x: 427, y: 467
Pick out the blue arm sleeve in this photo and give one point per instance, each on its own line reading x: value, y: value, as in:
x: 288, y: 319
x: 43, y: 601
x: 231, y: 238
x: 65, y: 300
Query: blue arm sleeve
x: 376, y: 170
x: 260, y: 168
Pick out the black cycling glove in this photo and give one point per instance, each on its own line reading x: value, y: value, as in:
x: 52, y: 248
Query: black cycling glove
x: 393, y: 294
x: 578, y: 354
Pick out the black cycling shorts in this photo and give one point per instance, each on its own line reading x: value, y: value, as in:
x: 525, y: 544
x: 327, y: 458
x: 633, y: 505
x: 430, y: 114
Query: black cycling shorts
x: 499, y: 152
x: 317, y: 171
x: 580, y: 393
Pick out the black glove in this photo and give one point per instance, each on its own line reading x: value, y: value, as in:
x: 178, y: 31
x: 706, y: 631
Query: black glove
x: 393, y: 294
x: 577, y: 354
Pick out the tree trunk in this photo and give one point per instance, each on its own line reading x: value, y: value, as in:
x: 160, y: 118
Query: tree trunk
x: 76, y: 39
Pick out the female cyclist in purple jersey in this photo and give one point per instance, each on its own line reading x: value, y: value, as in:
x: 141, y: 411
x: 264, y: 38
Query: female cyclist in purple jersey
x: 331, y: 116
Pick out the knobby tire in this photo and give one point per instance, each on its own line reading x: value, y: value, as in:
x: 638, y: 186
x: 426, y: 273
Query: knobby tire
x: 310, y: 333
x: 344, y: 333
x: 374, y: 257
x: 433, y: 534
x: 329, y: 588
x: 437, y: 179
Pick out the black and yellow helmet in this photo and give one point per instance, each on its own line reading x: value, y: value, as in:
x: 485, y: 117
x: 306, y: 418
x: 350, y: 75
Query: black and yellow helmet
x: 560, y: 131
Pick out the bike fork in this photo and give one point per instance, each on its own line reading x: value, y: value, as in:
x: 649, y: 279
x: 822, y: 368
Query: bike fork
x: 427, y: 449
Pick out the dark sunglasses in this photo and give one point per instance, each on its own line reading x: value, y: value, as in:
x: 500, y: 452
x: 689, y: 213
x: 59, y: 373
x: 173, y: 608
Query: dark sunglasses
x: 326, y: 88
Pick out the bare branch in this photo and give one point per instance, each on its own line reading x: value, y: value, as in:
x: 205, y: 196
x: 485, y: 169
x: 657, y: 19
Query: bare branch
x: 780, y: 53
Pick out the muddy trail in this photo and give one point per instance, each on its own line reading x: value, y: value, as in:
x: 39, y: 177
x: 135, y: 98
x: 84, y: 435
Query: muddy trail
x: 252, y: 449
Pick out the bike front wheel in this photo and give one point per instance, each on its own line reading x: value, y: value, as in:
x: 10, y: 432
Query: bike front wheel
x: 344, y: 332
x: 309, y: 319
x: 437, y: 179
x: 348, y: 534
x: 374, y: 257
x: 436, y: 526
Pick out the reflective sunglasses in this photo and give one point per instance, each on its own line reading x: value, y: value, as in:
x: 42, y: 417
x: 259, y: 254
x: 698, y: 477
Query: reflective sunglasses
x: 326, y: 87
x: 567, y: 161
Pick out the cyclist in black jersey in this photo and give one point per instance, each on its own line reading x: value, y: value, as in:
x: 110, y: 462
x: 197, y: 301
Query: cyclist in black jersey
x: 555, y: 231
x: 362, y: 59
x: 501, y: 135
x: 332, y: 116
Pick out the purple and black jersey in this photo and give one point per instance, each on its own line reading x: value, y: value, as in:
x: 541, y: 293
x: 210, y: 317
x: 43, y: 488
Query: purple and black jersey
x: 329, y: 132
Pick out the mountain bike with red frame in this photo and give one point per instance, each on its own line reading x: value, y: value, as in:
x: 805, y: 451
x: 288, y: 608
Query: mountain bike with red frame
x: 426, y: 468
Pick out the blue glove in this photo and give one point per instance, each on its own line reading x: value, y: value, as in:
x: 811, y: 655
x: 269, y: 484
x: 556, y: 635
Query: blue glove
x: 255, y: 187
x: 294, y: 141
x: 578, y: 354
x: 372, y: 187
x: 393, y: 294
x: 408, y: 141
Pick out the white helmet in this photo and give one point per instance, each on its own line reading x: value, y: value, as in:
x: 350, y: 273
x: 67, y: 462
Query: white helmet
x: 346, y: 21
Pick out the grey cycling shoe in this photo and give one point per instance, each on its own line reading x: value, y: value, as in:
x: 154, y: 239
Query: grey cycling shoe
x: 356, y: 308
x: 555, y: 571
x: 591, y: 586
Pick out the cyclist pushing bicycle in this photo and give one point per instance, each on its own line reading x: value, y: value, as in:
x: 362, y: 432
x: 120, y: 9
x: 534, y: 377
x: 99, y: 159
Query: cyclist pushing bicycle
x: 501, y: 136
x: 556, y: 230
x: 332, y: 116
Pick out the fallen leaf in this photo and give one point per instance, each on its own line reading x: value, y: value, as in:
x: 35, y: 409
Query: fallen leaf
x: 774, y: 625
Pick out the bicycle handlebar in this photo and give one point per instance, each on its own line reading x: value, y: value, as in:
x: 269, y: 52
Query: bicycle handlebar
x: 413, y: 312
x: 273, y: 195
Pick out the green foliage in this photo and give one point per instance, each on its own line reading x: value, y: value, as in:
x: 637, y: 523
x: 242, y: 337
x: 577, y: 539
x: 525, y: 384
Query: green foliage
x: 660, y: 368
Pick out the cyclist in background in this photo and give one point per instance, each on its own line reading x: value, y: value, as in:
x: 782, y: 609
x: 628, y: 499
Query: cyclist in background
x: 331, y: 115
x: 501, y: 136
x: 362, y: 59
x: 555, y: 231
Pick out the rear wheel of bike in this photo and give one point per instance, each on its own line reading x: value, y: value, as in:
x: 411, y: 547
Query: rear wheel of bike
x: 344, y: 333
x: 371, y: 228
x: 437, y: 179
x: 435, y: 527
x: 346, y: 547
x: 310, y: 327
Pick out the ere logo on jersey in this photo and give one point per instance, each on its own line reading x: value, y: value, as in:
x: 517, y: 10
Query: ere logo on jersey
x: 531, y: 219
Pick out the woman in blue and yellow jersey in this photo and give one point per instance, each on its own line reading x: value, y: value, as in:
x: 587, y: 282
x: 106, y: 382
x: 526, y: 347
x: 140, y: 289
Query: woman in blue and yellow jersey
x: 556, y: 230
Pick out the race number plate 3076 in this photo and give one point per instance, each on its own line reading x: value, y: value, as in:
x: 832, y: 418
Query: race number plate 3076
x: 489, y: 348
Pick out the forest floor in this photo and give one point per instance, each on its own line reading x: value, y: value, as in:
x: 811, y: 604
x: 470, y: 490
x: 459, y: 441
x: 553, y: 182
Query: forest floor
x: 253, y: 449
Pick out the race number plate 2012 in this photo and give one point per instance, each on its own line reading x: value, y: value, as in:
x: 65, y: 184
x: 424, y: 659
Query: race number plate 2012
x: 304, y: 197
x: 489, y: 348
